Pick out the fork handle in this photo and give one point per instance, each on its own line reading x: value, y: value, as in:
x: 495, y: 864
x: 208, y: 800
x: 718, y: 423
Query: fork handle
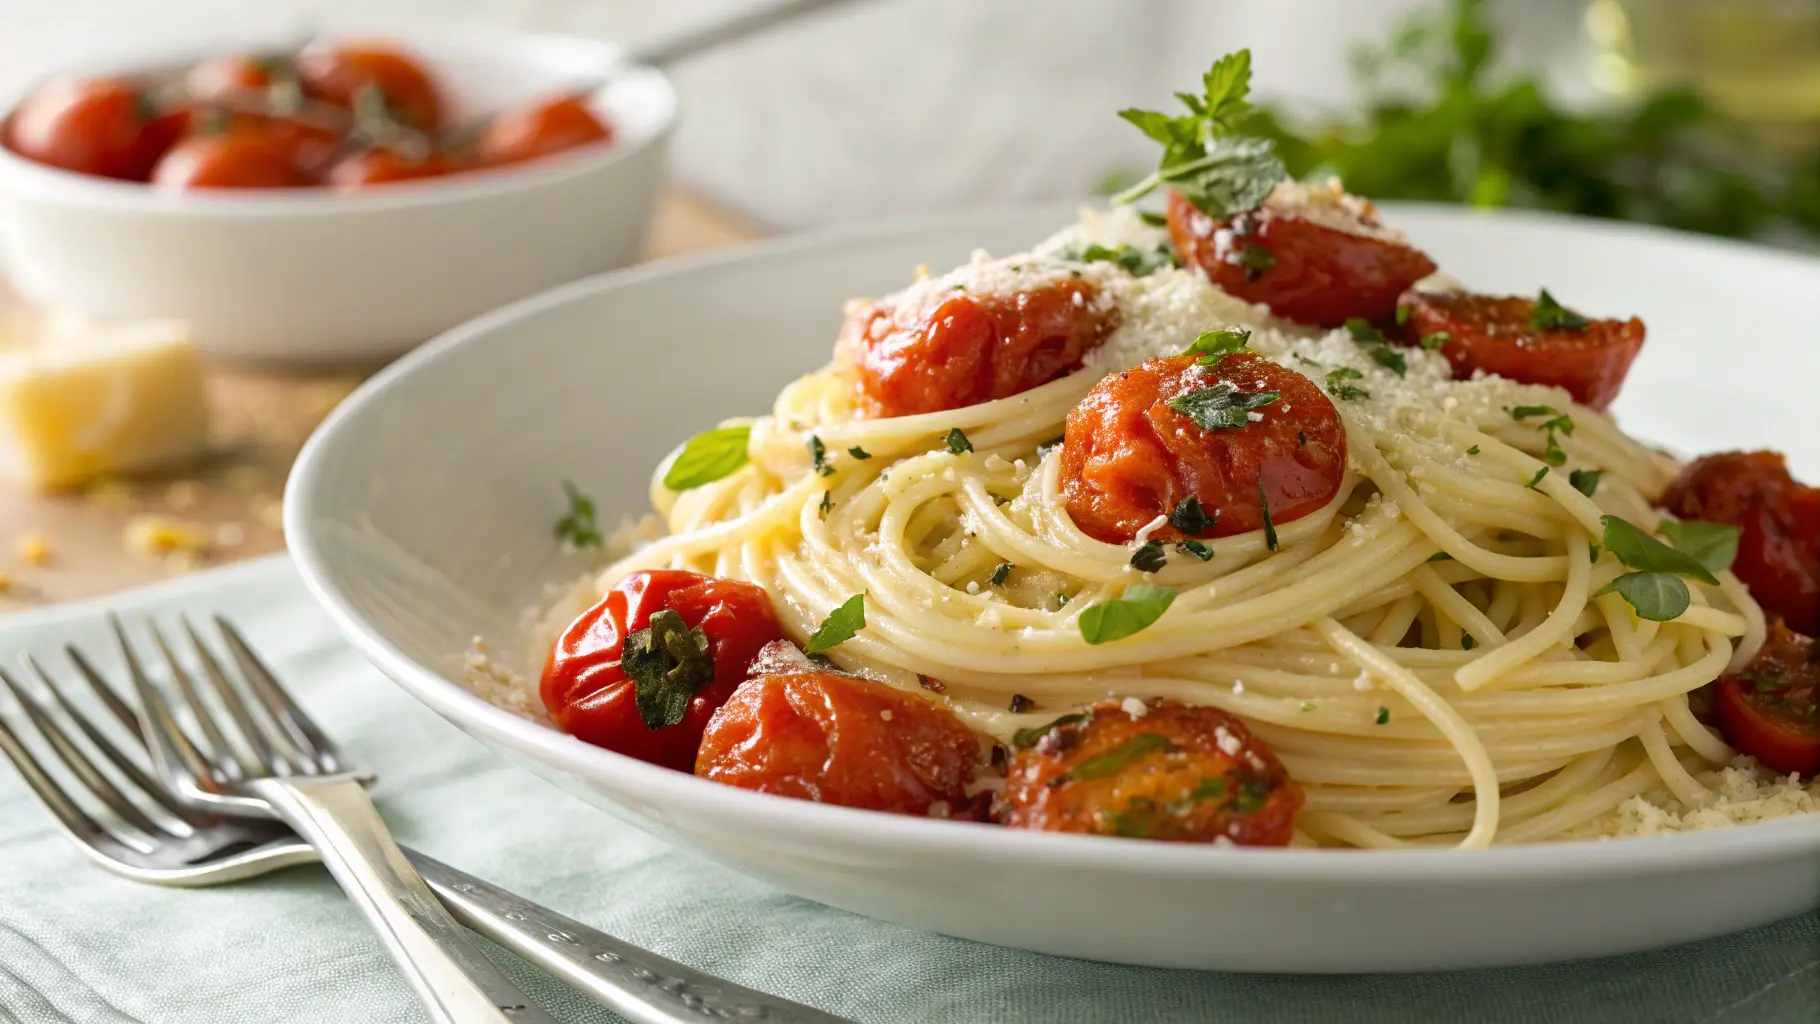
x: 453, y: 978
x: 639, y: 985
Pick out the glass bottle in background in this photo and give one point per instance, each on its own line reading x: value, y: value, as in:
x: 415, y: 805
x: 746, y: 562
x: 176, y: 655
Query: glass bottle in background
x: 1757, y: 61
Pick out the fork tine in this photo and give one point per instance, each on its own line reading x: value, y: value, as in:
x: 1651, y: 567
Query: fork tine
x: 79, y: 764
x: 266, y: 745
x: 72, y: 817
x: 134, y: 774
x: 223, y: 756
x: 171, y: 747
x: 305, y: 733
x: 111, y: 699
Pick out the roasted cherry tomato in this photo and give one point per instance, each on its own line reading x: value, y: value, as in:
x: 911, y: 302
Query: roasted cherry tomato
x: 799, y: 731
x: 234, y: 76
x: 1178, y: 773
x: 336, y: 74
x: 541, y: 129
x: 106, y: 127
x: 1779, y: 546
x: 1128, y: 457
x: 585, y: 687
x: 229, y: 160
x: 1499, y: 335
x: 380, y: 165
x: 970, y: 349
x: 1303, y: 268
x: 1771, y: 710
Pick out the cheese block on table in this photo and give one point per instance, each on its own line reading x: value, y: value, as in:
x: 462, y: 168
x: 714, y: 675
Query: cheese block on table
x: 79, y: 402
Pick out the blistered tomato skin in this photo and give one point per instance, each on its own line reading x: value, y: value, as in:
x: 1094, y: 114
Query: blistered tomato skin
x: 1494, y: 334
x: 970, y: 349
x: 837, y: 739
x: 1175, y: 773
x: 1779, y: 546
x: 1308, y: 272
x: 1769, y: 710
x: 588, y: 694
x: 1127, y: 457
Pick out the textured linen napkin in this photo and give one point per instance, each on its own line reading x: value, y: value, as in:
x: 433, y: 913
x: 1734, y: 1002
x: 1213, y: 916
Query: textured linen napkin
x: 80, y: 945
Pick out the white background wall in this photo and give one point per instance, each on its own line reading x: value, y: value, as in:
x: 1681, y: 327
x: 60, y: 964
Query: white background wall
x: 889, y: 107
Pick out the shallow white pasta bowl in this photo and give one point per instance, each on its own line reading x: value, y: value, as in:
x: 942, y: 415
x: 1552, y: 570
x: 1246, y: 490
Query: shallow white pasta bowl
x: 315, y: 275
x: 420, y: 515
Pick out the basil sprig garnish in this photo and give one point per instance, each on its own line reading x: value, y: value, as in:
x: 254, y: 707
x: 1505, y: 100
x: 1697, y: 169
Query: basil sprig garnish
x: 708, y: 457
x: 1205, y: 160
x: 668, y: 662
x: 1222, y: 406
x: 1133, y: 612
x: 1656, y: 589
x: 839, y: 626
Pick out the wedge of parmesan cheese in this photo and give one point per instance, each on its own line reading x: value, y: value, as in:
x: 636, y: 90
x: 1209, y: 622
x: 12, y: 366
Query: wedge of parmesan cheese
x: 79, y: 402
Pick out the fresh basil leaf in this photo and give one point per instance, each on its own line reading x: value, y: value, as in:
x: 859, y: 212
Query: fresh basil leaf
x: 1149, y: 557
x: 1133, y: 612
x: 1586, y: 481
x: 1119, y: 758
x: 1658, y: 596
x: 1714, y: 545
x: 859, y: 453
x: 1152, y: 218
x: 1211, y: 345
x: 708, y: 457
x: 957, y: 442
x: 1190, y: 518
x: 1638, y: 550
x: 1222, y: 406
x: 668, y: 662
x: 1195, y: 548
x: 839, y: 626
x: 1549, y: 315
x: 578, y: 526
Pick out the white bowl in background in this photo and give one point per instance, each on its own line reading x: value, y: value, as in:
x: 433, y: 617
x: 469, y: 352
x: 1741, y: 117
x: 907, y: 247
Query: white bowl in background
x: 420, y: 516
x: 320, y: 276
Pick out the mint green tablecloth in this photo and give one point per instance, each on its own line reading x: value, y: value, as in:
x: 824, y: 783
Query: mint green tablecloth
x: 77, y: 944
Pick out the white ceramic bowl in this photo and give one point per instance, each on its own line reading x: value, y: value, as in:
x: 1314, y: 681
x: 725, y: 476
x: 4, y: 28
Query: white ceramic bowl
x: 421, y: 514
x: 316, y: 276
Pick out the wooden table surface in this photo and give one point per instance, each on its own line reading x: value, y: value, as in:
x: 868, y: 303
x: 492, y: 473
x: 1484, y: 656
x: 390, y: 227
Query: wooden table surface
x: 63, y: 547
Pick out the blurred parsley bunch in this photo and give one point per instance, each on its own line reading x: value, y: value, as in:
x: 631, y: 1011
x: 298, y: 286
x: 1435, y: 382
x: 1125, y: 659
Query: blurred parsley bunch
x: 1437, y: 125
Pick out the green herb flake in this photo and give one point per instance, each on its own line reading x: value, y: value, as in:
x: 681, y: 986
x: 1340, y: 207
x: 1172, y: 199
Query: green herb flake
x: 1149, y: 557
x: 1195, y: 548
x: 818, y: 456
x: 1133, y: 612
x: 957, y: 442
x: 1210, y: 787
x: 1211, y: 345
x: 859, y: 453
x: 578, y: 526
x: 1308, y: 705
x: 1536, y: 480
x: 1372, y: 341
x: 1403, y: 311
x: 708, y: 457
x: 1190, y: 518
x: 839, y: 626
x: 1024, y: 739
x: 1383, y: 715
x: 1270, y: 528
x: 1135, y: 262
x: 1222, y: 406
x: 1467, y: 643
x: 1557, y: 424
x: 1474, y: 450
x: 1000, y: 574
x: 1592, y: 553
x: 1549, y: 315
x: 1152, y: 218
x: 1338, y: 388
x: 1440, y: 556
x: 1116, y: 760
x: 827, y: 505
x: 1586, y: 481
x: 1255, y: 260
x: 1436, y: 340
x: 667, y: 662
x: 1714, y: 545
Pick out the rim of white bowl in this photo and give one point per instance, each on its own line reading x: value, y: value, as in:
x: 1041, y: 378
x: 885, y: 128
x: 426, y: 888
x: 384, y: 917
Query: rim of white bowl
x: 900, y: 836
x: 42, y: 180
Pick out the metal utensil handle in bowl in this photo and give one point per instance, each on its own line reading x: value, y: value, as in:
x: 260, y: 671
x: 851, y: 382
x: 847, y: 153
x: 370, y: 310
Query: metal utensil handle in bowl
x: 749, y: 21
x: 640, y: 985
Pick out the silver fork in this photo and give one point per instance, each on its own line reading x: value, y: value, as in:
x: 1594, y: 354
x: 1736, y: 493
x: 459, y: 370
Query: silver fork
x: 188, y: 840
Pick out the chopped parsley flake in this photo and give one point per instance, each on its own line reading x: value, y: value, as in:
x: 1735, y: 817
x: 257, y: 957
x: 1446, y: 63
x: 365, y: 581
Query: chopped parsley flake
x: 1211, y: 345
x: 1255, y: 260
x: 1383, y: 714
x: 957, y: 442
x: 1149, y: 557
x: 578, y: 526
x: 1135, y: 262
x: 1436, y: 340
x: 859, y: 453
x: 1586, y: 481
x: 1000, y: 574
x: 1113, y: 761
x: 1190, y: 518
x: 1537, y: 479
x: 1195, y: 548
x: 1558, y: 423
x: 827, y: 504
x: 1549, y: 315
x: 1338, y: 388
x: 1270, y: 529
x: 1372, y: 341
x: 1222, y: 406
x: 818, y: 456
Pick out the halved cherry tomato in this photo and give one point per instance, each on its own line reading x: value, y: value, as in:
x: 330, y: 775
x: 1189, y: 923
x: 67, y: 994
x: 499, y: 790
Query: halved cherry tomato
x: 1495, y: 334
x: 838, y: 739
x: 1177, y: 773
x: 585, y: 687
x: 233, y: 76
x: 1771, y: 710
x: 1303, y: 270
x: 336, y: 74
x: 970, y: 349
x: 380, y: 165
x: 229, y: 160
x: 1127, y: 457
x: 546, y: 127
x: 1779, y: 546
x: 106, y: 127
